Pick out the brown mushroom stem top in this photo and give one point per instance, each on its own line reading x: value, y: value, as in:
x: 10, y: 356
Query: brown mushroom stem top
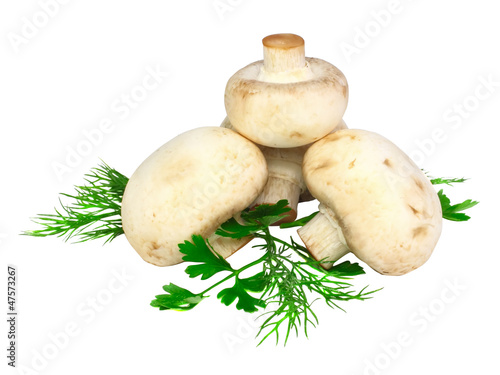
x: 283, y: 52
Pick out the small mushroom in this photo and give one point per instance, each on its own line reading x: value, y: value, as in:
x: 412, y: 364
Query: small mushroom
x: 286, y: 100
x: 374, y: 202
x: 190, y: 186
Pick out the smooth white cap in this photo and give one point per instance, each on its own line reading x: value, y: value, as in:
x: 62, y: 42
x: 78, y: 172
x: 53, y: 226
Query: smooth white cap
x: 190, y: 185
x: 387, y: 209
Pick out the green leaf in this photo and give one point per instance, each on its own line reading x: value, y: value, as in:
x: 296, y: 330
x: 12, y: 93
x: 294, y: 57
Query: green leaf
x: 445, y: 201
x: 210, y: 262
x: 266, y: 214
x: 300, y: 222
x: 447, y: 181
x: 177, y: 298
x: 254, y: 220
x: 256, y: 283
x: 452, y: 212
x: 345, y: 270
x: 233, y: 229
x: 245, y: 302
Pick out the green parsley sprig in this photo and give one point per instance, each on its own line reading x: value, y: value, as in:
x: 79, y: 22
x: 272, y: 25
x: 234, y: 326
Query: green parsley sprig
x: 453, y: 212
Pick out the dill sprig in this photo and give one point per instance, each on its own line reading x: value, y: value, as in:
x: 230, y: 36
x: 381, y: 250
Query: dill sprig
x: 294, y: 283
x: 94, y: 211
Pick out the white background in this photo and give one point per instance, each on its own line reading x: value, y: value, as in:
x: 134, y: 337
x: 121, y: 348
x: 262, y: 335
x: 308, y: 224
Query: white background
x: 417, y: 66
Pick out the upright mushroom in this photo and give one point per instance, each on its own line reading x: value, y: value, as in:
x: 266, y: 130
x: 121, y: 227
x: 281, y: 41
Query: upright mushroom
x: 374, y: 202
x: 286, y: 100
x: 189, y: 186
x: 284, y: 103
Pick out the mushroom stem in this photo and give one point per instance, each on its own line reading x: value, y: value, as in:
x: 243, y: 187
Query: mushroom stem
x: 323, y: 238
x: 276, y: 189
x: 226, y: 246
x: 284, y: 59
x: 283, y: 52
x: 285, y: 177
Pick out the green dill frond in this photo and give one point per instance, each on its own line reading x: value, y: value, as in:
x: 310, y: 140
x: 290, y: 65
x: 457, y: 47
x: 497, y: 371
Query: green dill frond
x: 94, y: 210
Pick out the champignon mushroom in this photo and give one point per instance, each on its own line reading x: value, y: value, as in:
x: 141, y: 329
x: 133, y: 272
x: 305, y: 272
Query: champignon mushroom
x: 374, y: 202
x: 189, y: 186
x: 285, y: 176
x: 286, y: 100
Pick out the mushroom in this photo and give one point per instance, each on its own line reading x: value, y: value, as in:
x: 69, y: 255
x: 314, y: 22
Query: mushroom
x: 190, y: 186
x: 286, y: 100
x: 285, y: 176
x: 374, y: 202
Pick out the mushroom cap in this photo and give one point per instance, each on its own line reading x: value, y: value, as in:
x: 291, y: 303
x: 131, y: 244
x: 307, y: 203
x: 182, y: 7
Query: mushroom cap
x: 189, y: 186
x: 286, y: 114
x: 388, y: 210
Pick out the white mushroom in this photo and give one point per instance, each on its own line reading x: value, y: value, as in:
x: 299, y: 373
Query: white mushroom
x: 374, y: 202
x: 189, y: 186
x: 286, y: 100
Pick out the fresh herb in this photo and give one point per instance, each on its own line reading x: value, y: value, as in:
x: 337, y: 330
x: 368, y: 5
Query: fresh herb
x: 209, y: 263
x: 94, y: 212
x: 452, y: 212
x: 447, y: 181
x: 286, y: 282
x: 299, y: 222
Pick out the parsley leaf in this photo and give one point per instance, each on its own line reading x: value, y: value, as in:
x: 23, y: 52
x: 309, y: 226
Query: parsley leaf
x: 246, y: 302
x: 254, y: 220
x: 265, y: 215
x: 345, y: 270
x: 452, y: 212
x: 299, y: 222
x: 199, y: 252
x: 177, y: 298
x: 233, y: 229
